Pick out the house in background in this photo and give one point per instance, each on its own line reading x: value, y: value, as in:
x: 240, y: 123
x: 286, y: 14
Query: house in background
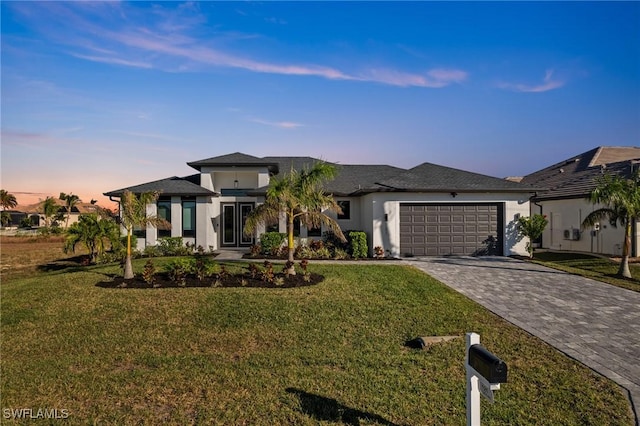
x: 566, y: 203
x: 35, y: 212
x: 428, y: 210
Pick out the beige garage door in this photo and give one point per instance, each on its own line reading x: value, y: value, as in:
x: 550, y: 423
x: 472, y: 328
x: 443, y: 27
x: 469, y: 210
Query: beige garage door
x: 450, y: 229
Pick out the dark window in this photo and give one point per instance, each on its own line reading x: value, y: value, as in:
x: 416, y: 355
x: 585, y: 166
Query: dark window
x: 346, y: 209
x: 164, y: 212
x: 314, y: 232
x: 139, y: 232
x: 188, y: 218
x: 273, y: 227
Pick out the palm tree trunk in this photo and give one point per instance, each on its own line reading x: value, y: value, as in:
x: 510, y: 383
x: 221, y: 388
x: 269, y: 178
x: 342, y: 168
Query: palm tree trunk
x: 624, y: 270
x: 128, y: 268
x: 290, y: 244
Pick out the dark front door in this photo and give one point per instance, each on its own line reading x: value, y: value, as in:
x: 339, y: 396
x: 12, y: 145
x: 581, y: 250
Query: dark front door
x: 234, y: 217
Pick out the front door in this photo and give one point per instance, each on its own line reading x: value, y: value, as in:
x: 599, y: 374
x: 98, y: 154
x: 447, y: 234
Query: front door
x: 234, y: 217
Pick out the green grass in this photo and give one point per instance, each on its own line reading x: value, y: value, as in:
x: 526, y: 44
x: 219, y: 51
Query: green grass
x: 597, y: 268
x: 326, y: 354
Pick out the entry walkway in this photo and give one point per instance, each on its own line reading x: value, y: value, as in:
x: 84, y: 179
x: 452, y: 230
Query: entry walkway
x: 595, y: 323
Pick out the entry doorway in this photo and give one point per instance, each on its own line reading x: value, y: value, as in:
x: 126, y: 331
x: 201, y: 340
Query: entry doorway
x: 233, y: 218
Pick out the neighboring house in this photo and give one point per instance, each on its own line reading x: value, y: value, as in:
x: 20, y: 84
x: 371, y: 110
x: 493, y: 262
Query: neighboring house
x: 566, y: 203
x: 428, y: 210
x: 35, y: 212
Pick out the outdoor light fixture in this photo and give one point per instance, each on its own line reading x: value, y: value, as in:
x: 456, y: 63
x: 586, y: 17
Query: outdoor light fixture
x: 235, y: 184
x: 453, y: 194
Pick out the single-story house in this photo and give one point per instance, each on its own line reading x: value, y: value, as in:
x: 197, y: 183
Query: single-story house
x: 429, y: 210
x: 36, y: 212
x: 565, y: 201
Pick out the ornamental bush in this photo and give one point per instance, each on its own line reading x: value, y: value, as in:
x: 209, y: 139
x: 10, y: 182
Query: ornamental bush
x: 532, y: 227
x: 359, y: 248
x: 271, y: 242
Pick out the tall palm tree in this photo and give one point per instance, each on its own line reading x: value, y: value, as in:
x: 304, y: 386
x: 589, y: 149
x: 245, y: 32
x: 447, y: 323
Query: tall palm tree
x: 7, y: 201
x: 49, y: 209
x: 299, y: 196
x: 621, y: 200
x: 133, y: 212
x: 71, y: 200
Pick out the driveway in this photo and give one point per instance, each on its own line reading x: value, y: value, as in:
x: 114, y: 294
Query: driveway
x: 595, y: 323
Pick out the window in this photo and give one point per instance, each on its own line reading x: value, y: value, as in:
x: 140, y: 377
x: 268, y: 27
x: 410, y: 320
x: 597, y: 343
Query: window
x: 314, y: 232
x: 188, y: 218
x: 164, y: 212
x: 345, y: 205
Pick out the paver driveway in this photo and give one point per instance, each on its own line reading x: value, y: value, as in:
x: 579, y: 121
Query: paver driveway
x: 595, y: 323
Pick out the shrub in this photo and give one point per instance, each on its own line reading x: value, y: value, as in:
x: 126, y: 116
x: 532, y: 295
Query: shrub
x: 322, y: 253
x: 173, y: 246
x: 204, y: 267
x: 255, y: 250
x: 152, y: 251
x: 331, y: 240
x: 359, y: 247
x: 340, y: 254
x: 267, y: 274
x: 149, y: 272
x: 179, y: 269
x: 271, y: 242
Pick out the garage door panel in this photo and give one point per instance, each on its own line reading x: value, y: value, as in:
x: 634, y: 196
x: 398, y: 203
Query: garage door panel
x: 449, y: 229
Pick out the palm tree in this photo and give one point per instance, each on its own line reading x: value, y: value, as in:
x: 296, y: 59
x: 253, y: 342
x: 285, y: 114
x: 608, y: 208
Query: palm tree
x: 299, y: 196
x: 7, y: 201
x: 133, y: 212
x: 71, y: 201
x: 93, y: 232
x: 621, y: 200
x: 49, y: 208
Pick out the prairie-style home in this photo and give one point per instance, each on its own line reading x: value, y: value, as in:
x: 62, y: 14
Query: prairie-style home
x: 428, y: 210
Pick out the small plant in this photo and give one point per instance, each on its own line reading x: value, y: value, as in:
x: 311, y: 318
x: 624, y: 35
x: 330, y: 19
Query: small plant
x: 271, y: 242
x: 179, y: 269
x: 340, y: 254
x: 279, y: 281
x: 152, y: 251
x: 149, y: 273
x: 204, y: 268
x: 532, y: 227
x: 255, y: 250
x: 304, y: 263
x: 254, y: 270
x: 359, y: 246
x: 222, y: 275
x: 378, y: 251
x: 287, y: 267
x: 268, y: 275
x: 200, y: 250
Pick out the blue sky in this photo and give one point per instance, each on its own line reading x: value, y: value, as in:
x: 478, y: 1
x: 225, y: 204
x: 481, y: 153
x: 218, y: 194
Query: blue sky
x: 98, y: 96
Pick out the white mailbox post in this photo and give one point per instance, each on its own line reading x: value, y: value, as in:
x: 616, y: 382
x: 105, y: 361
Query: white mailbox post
x: 485, y: 372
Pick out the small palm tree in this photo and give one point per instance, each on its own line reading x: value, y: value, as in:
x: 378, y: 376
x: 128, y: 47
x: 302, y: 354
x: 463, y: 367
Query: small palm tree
x: 71, y: 200
x: 299, y: 196
x: 49, y: 209
x: 93, y: 232
x: 133, y: 213
x: 621, y: 200
x: 7, y: 201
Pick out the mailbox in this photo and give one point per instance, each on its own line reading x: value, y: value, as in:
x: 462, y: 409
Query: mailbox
x: 487, y: 364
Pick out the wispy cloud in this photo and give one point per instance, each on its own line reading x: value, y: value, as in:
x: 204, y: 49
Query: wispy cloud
x: 548, y: 83
x: 279, y: 124
x: 165, y: 43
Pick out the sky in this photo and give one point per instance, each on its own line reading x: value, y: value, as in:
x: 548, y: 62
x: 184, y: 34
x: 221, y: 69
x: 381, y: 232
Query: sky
x: 98, y: 96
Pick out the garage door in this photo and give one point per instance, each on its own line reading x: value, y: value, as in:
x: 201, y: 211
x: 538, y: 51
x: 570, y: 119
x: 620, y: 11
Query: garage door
x: 450, y: 229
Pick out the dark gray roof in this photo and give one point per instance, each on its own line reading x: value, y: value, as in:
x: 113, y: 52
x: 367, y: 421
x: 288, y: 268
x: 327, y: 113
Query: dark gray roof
x: 577, y: 176
x: 237, y: 159
x: 359, y: 179
x: 187, y: 186
x: 429, y: 177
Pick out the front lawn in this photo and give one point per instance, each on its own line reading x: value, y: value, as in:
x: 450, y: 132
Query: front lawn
x: 597, y: 268
x: 326, y: 354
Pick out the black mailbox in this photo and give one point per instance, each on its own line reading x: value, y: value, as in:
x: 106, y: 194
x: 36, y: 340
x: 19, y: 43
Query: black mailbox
x: 487, y: 364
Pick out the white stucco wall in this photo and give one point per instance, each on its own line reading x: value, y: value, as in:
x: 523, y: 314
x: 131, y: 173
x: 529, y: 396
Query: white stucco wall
x: 567, y: 215
x: 384, y: 230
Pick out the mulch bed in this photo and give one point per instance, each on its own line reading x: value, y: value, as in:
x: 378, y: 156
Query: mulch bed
x: 232, y: 280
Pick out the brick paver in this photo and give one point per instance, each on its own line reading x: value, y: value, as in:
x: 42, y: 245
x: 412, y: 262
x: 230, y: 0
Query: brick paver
x: 593, y: 322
